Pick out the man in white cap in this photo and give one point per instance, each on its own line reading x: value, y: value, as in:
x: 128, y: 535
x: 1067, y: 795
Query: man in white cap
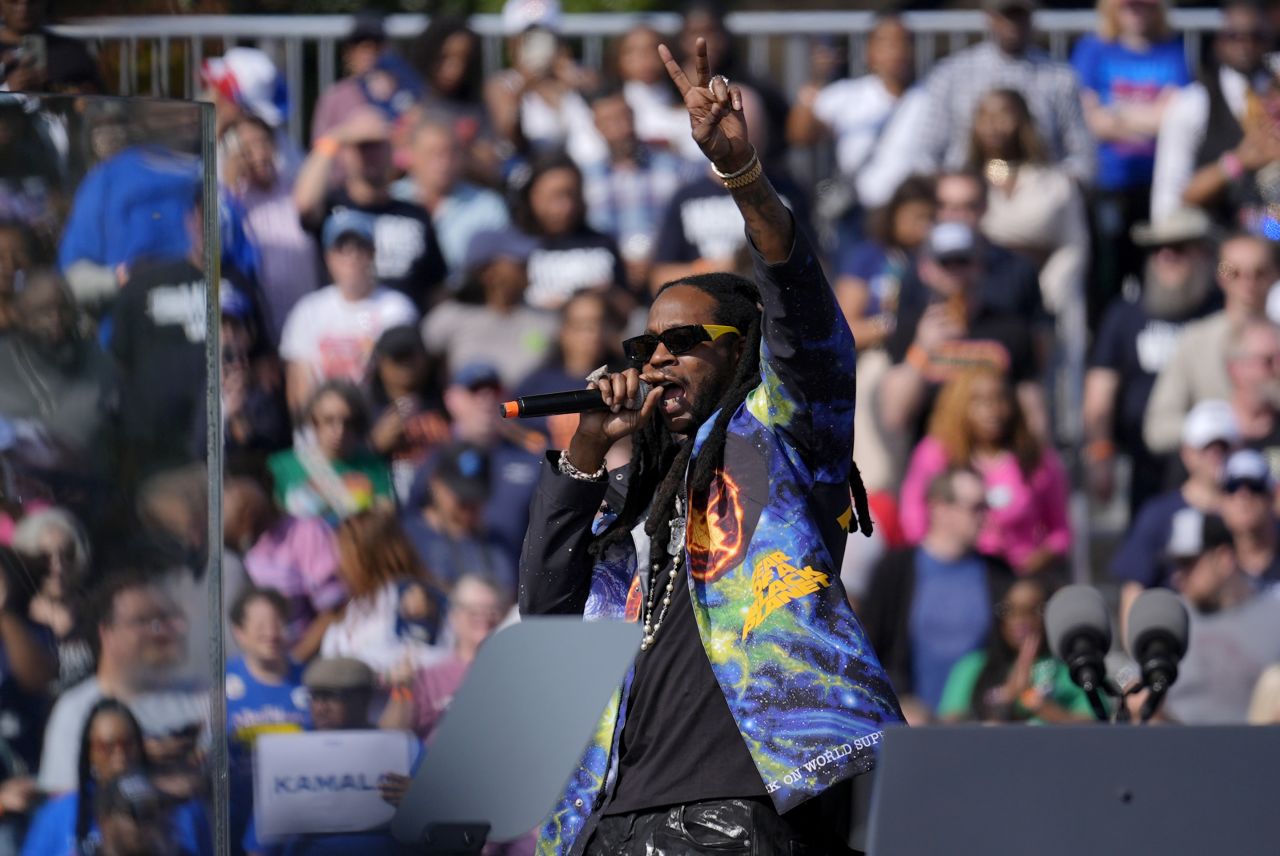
x: 954, y: 328
x: 1198, y: 368
x: 1209, y: 435
x: 1235, y: 629
x: 1138, y: 336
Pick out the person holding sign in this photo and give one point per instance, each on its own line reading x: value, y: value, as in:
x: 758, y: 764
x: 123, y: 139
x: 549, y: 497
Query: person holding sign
x: 341, y: 690
x: 754, y: 690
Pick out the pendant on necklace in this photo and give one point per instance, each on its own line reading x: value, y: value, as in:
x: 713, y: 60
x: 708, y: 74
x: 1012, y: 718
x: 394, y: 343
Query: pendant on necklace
x: 675, y: 541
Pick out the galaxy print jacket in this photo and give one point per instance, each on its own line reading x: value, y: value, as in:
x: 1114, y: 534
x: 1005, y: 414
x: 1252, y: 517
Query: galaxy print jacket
x: 764, y: 549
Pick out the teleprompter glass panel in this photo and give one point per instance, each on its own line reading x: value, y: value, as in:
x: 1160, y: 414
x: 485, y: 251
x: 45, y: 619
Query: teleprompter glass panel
x: 110, y: 601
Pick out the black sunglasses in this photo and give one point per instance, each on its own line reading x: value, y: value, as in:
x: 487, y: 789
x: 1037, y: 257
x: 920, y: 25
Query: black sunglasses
x: 678, y: 340
x: 1252, y: 485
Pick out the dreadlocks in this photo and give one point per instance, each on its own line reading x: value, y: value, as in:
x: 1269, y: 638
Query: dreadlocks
x: 658, y: 462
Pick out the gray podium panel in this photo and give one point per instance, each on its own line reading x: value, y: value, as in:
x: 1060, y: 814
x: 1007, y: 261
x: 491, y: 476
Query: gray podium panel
x: 518, y: 726
x: 1071, y: 790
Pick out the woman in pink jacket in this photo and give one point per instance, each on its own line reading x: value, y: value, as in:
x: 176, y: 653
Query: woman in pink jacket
x: 977, y: 422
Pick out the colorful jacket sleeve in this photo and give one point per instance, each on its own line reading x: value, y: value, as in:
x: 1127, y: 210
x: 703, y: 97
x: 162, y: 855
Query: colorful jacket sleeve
x: 807, y: 362
x: 555, y: 566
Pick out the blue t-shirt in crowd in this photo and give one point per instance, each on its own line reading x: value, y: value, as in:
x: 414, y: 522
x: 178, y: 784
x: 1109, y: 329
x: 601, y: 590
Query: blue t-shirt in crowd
x: 53, y: 830
x: 1121, y: 75
x: 950, y: 617
x: 255, y: 708
x: 1140, y: 558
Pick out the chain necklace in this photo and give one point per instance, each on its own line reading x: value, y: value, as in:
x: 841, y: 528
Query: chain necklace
x: 675, y: 549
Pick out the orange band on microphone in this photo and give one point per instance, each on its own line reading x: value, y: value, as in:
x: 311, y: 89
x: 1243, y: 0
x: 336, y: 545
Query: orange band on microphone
x: 510, y: 410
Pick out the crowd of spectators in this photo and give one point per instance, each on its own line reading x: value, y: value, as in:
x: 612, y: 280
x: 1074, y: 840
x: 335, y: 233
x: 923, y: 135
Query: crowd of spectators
x: 1062, y: 278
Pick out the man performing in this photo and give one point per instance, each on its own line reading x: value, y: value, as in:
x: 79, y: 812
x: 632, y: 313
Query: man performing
x: 755, y: 689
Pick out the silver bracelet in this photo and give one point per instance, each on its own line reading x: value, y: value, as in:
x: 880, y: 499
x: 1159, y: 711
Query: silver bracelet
x: 725, y: 176
x: 567, y: 468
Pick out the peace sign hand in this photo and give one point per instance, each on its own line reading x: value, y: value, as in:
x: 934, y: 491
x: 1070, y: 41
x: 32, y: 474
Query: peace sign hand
x: 715, y: 111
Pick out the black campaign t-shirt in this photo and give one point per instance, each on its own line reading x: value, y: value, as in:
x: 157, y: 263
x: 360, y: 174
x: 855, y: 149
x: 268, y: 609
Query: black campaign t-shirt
x: 679, y: 743
x: 1136, y: 346
x: 406, y: 253
x: 564, y: 265
x: 158, y: 341
x: 703, y: 222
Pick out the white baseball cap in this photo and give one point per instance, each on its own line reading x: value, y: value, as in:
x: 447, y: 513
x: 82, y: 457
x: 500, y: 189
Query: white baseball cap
x: 1209, y: 422
x: 1248, y: 465
x: 951, y: 241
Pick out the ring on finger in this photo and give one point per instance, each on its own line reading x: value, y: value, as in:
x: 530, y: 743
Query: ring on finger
x: 711, y: 87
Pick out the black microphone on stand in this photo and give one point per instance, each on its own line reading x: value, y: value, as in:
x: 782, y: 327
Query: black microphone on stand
x: 1079, y: 633
x: 1157, y: 637
x: 555, y: 403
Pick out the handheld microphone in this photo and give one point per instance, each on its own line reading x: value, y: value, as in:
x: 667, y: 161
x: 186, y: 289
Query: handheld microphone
x: 1080, y: 633
x: 572, y: 401
x: 1157, y: 637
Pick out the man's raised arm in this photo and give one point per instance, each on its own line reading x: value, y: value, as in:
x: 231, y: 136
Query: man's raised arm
x: 720, y: 130
x: 807, y: 354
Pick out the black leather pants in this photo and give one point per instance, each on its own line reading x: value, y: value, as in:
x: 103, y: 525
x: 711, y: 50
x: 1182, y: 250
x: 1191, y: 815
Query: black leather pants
x: 733, y: 827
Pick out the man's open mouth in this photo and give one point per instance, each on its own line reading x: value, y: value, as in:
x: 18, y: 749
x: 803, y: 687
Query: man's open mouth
x: 673, y: 396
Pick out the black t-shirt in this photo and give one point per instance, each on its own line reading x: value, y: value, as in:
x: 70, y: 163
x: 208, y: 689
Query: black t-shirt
x: 158, y: 341
x: 703, y: 222
x: 406, y: 252
x: 562, y: 266
x: 679, y: 742
x: 1135, y: 346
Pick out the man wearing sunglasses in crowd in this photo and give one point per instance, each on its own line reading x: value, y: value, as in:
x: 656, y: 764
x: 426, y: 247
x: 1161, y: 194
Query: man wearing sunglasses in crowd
x: 1248, y: 509
x: 954, y: 326
x: 754, y: 693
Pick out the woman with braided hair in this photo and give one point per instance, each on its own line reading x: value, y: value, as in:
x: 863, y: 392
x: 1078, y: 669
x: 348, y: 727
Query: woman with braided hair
x: 755, y: 692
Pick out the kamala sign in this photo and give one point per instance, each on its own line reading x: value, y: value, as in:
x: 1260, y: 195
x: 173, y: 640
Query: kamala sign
x: 326, y: 781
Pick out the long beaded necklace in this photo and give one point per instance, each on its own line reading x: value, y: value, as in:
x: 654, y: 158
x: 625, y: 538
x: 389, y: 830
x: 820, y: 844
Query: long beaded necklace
x: 675, y: 549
